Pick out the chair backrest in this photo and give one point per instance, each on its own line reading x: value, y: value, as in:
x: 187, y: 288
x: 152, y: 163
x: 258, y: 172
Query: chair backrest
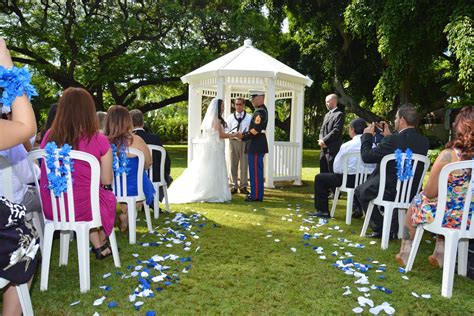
x: 362, y: 170
x: 120, y: 181
x: 437, y: 224
x: 7, y: 176
x: 58, y: 204
x: 403, y: 188
x: 162, y: 151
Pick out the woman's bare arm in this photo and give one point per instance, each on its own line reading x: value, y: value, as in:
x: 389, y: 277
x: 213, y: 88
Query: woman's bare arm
x: 431, y: 188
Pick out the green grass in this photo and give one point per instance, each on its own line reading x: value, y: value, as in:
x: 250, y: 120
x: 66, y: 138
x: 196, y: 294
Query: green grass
x: 239, y: 270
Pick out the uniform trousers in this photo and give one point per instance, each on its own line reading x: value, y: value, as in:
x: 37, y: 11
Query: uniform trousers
x: 256, y: 175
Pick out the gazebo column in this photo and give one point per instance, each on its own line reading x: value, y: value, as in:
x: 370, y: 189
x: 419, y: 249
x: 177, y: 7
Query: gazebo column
x: 270, y: 132
x: 299, y: 132
x: 194, y: 118
x: 220, y: 87
x: 294, y: 113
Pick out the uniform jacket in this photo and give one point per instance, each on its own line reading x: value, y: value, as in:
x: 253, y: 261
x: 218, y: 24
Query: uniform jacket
x: 257, y: 143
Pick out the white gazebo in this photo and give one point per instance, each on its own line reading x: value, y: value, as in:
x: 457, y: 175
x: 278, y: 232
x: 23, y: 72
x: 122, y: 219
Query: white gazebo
x: 231, y: 76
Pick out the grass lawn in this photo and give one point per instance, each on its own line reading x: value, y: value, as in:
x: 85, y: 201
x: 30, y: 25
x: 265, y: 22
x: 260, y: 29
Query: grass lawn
x: 252, y: 259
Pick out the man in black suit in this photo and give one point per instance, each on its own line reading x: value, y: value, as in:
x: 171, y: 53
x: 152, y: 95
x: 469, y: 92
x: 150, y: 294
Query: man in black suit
x: 407, y: 136
x: 152, y: 139
x: 330, y: 135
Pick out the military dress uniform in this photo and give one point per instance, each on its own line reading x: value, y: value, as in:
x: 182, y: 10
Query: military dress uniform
x: 256, y: 147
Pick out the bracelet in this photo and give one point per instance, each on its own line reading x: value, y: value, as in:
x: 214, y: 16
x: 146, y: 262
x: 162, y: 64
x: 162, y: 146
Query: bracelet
x: 15, y: 82
x: 107, y: 187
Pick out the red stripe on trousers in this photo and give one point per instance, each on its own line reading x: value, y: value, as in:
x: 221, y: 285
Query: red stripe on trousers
x: 256, y: 176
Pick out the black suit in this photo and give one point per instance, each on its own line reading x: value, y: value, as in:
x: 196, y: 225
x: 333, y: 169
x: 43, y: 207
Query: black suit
x: 331, y: 134
x: 154, y: 139
x: 367, y: 191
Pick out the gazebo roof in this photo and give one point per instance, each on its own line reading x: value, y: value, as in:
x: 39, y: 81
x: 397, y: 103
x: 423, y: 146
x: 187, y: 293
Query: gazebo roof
x: 247, y: 61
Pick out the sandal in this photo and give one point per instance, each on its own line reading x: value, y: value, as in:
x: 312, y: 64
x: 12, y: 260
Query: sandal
x: 99, y: 251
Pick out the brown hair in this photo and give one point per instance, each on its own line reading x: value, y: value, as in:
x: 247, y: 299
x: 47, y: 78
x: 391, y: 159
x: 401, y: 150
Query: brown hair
x: 75, y: 118
x: 464, y: 130
x: 137, y: 118
x: 118, y: 126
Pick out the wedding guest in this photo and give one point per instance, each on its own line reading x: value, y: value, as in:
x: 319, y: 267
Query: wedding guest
x: 20, y: 242
x: 256, y: 145
x: 152, y: 139
x: 423, y: 207
x: 239, y: 121
x: 101, y: 116
x: 407, y: 136
x: 76, y: 125
x: 118, y: 129
x: 330, y: 135
x: 324, y: 182
x: 23, y: 193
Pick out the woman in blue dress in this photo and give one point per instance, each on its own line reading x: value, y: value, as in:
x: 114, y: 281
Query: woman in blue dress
x: 118, y: 129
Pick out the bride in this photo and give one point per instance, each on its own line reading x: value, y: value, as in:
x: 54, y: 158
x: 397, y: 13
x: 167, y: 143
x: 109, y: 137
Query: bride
x: 205, y: 180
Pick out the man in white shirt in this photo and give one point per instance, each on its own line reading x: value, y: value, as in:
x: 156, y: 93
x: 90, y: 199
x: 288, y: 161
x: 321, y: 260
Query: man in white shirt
x: 238, y: 121
x: 324, y: 182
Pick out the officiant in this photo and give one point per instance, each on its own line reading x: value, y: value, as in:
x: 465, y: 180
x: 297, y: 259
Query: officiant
x: 238, y: 121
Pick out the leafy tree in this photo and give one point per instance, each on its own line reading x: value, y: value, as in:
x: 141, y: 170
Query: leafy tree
x: 121, y: 50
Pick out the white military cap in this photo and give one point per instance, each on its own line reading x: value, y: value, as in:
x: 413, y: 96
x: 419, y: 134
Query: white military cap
x: 254, y: 93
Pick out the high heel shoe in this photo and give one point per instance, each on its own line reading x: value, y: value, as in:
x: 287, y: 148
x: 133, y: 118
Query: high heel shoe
x: 437, y: 258
x: 99, y: 251
x: 402, y: 256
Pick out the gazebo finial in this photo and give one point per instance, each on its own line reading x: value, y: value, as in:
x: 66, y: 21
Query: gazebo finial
x: 248, y: 42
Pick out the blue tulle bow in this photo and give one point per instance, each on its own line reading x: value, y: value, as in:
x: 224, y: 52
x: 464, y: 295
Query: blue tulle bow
x: 404, y: 170
x: 57, y: 177
x: 15, y: 82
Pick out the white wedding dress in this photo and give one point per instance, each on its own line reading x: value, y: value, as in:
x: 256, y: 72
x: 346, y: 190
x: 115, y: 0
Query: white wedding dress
x: 205, y: 180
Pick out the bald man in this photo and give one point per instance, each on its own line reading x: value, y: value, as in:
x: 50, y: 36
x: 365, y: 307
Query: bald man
x: 330, y: 135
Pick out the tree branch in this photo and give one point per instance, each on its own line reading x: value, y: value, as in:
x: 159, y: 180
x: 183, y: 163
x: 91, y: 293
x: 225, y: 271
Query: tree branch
x: 158, y: 105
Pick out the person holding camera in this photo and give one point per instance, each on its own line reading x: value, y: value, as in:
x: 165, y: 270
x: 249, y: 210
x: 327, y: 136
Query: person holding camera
x: 406, y: 136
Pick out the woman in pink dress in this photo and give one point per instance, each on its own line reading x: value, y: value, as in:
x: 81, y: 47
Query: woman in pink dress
x: 76, y: 124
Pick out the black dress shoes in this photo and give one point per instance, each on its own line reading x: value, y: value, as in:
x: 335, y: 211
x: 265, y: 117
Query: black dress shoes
x: 357, y: 214
x: 233, y: 191
x: 251, y: 199
x: 244, y: 191
x: 320, y: 214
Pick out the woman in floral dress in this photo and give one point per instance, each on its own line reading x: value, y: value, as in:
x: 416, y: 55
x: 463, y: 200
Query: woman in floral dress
x: 19, y: 242
x: 423, y: 207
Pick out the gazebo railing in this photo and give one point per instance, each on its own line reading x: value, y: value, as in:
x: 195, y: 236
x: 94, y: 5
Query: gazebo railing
x: 285, y: 163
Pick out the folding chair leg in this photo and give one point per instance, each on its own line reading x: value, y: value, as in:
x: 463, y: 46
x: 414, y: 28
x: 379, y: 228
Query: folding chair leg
x: 83, y: 255
x: 350, y: 200
x: 414, y: 247
x: 156, y: 203
x: 165, y: 191
x: 46, y: 256
x: 148, y: 217
x: 401, y: 222
x: 334, y: 201
x: 367, y: 219
x: 64, y: 239
x: 132, y: 221
x: 25, y: 299
x: 463, y: 249
x: 450, y: 249
x: 115, y: 253
x: 387, y: 223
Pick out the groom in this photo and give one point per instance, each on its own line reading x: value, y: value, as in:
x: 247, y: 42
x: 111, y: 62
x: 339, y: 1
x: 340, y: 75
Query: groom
x: 256, y: 145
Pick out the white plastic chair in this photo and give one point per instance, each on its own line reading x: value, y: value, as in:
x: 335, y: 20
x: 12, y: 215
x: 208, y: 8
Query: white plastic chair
x: 7, y: 186
x: 161, y: 182
x: 120, y: 189
x: 362, y: 172
x: 402, y: 199
x: 454, y: 239
x: 81, y: 228
x: 23, y: 294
